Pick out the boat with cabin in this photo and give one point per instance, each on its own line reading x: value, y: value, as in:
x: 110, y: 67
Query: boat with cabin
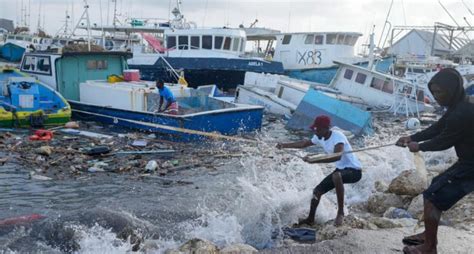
x: 202, y: 55
x: 26, y: 102
x: 91, y: 83
x: 310, y: 56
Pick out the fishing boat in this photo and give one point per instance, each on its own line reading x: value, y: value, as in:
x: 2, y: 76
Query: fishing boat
x: 202, y: 55
x: 380, y: 91
x: 310, y: 56
x: 88, y: 80
x: 25, y: 102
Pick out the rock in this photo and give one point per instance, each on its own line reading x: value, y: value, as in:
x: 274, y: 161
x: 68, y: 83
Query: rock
x: 409, y: 182
x: 396, y: 213
x: 44, y: 150
x: 329, y: 231
x: 416, y: 206
x: 197, y: 245
x: 380, y: 186
x: 239, y: 249
x: 380, y: 202
x: 382, y: 222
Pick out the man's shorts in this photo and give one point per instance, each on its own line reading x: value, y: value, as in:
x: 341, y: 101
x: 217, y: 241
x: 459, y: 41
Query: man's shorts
x: 349, y: 175
x: 452, y: 185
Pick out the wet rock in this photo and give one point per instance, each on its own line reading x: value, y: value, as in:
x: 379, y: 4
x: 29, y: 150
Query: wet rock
x: 396, y: 213
x: 416, y: 206
x: 380, y: 202
x: 380, y: 186
x: 329, y: 231
x: 409, y: 182
x: 44, y: 150
x: 197, y: 245
x: 239, y: 249
x: 382, y: 222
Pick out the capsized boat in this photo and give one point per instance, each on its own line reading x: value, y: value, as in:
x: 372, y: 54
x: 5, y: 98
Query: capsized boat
x: 25, y: 102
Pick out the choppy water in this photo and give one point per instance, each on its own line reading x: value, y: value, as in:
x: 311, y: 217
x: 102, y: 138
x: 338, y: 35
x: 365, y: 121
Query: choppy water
x: 244, y: 200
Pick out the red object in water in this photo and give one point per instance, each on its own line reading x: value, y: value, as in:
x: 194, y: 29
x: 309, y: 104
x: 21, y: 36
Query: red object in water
x: 21, y: 219
x: 131, y: 75
x: 44, y: 135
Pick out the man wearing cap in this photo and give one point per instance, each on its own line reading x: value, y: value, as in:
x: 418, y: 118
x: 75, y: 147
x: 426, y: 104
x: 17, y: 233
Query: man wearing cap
x: 348, y: 167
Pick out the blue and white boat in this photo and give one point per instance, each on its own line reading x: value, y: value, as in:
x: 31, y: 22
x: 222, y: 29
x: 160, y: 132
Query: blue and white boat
x: 202, y: 55
x: 25, y: 102
x: 310, y: 56
x: 83, y: 79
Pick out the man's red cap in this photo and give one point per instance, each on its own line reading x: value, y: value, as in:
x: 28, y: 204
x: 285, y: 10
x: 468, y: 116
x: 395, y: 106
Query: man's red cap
x: 321, y: 121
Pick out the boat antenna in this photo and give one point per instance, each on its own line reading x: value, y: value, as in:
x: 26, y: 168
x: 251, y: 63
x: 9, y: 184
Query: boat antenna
x: 39, y: 16
x: 85, y: 17
x: 467, y: 7
x: 384, y: 25
x: 452, y: 18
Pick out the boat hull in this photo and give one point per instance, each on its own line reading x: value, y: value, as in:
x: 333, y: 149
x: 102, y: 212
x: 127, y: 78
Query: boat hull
x: 225, y: 73
x: 225, y: 122
x: 325, y: 75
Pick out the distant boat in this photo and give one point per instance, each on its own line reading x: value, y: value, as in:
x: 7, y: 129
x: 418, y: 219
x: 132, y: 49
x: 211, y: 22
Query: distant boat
x: 310, y: 56
x: 380, y: 91
x: 25, y: 102
x: 84, y: 79
x: 203, y: 55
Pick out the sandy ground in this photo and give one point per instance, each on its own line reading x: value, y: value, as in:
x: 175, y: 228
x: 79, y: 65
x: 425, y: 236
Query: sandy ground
x: 382, y: 241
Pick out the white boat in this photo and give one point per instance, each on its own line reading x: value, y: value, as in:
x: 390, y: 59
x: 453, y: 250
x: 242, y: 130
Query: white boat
x: 281, y: 94
x: 379, y: 90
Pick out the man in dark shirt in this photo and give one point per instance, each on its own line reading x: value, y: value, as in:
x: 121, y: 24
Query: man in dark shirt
x: 454, y: 128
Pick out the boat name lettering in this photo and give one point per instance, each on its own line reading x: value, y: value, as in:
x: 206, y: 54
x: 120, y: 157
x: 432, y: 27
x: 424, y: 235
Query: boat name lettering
x: 309, y: 57
x: 254, y: 63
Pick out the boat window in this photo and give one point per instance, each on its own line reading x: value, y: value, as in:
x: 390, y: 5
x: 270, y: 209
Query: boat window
x: 331, y: 39
x: 340, y: 39
x: 242, y: 45
x: 227, y: 42
x: 11, y: 37
x: 97, y: 64
x: 195, y: 43
x: 416, y: 70
x: 183, y: 42
x: 207, y: 42
x: 309, y: 39
x: 354, y: 40
x: 383, y: 85
x: 218, y: 42
x: 19, y: 38
x: 235, y: 44
x: 286, y: 39
x: 171, y: 42
x: 29, y: 63
x: 318, y: 39
x: 360, y: 78
x: 347, y: 40
x: 348, y: 74
x: 420, y: 96
x: 388, y: 87
x: 377, y: 83
x: 43, y: 65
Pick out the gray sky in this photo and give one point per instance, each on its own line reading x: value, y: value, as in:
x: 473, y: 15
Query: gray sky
x: 284, y: 15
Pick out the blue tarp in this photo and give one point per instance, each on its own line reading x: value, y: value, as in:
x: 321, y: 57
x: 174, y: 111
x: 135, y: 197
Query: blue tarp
x: 343, y: 114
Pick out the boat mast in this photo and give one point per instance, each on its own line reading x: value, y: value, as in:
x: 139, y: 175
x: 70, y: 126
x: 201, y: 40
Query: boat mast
x: 85, y: 16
